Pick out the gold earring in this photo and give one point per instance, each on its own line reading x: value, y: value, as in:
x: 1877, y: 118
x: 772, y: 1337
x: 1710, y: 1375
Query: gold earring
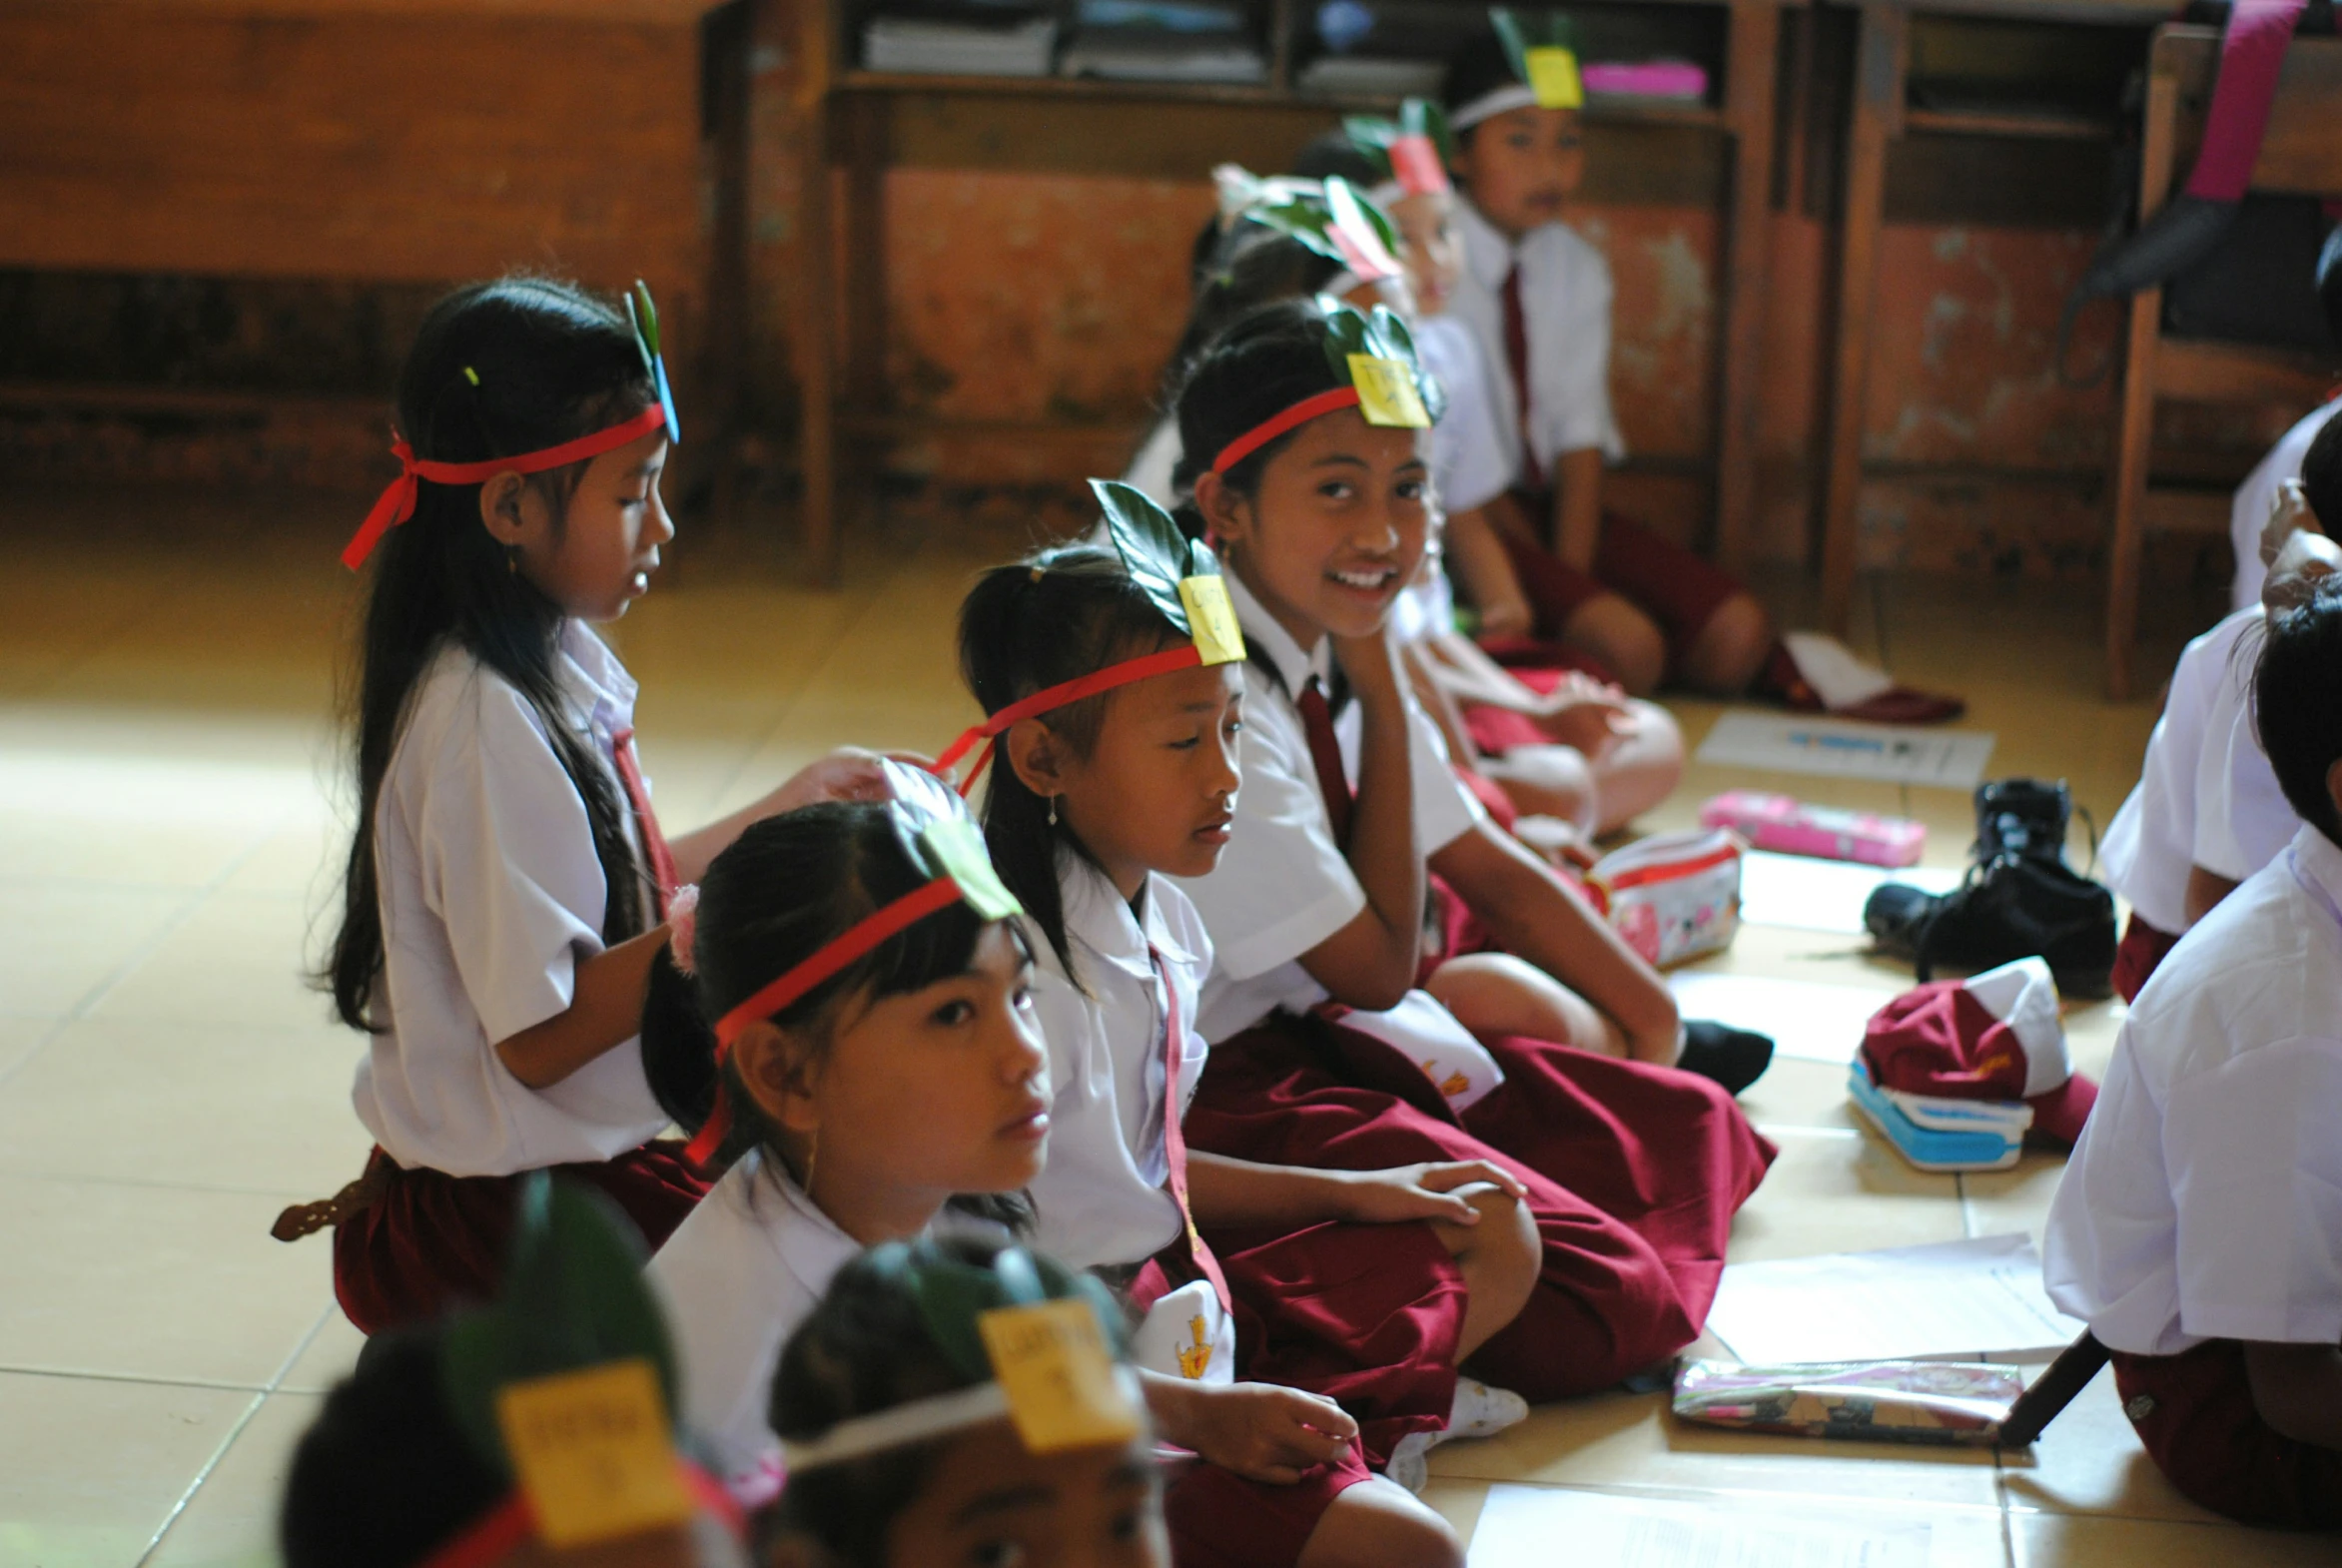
x: 812, y: 1153
x: 1053, y: 811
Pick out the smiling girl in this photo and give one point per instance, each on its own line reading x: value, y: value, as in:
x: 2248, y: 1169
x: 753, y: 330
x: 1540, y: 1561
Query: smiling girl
x: 875, y: 1056
x: 1633, y: 1168
x: 508, y: 883
x: 1116, y: 710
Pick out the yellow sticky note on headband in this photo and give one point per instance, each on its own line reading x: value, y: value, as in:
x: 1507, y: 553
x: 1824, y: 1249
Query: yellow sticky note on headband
x: 1553, y: 77
x: 957, y: 848
x: 1051, y: 1361
x: 1387, y: 394
x: 1213, y: 619
x: 594, y: 1453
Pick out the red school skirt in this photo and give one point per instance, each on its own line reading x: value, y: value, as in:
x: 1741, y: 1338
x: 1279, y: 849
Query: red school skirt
x: 2142, y: 951
x: 1677, y: 588
x: 2194, y: 1414
x: 427, y: 1240
x: 1633, y: 1172
x: 1367, y: 1315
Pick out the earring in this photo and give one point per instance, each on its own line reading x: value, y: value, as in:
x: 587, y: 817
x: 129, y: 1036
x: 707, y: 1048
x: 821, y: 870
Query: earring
x: 1053, y: 811
x: 512, y: 559
x: 812, y: 1153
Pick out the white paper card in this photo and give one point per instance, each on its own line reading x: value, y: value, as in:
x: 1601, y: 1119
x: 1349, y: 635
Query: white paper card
x: 1822, y: 895
x: 1805, y: 1019
x: 1527, y: 1526
x: 1892, y: 754
x: 1952, y: 1302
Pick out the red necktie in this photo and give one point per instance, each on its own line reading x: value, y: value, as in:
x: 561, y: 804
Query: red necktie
x: 1516, y: 360
x: 1326, y: 756
x: 1174, y: 1141
x: 646, y: 822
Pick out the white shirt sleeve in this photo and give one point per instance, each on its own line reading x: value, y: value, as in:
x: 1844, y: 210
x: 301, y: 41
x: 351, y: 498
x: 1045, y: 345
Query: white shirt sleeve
x: 1578, y: 415
x: 1468, y: 462
x: 1444, y: 809
x: 507, y: 862
x: 2243, y: 820
x: 2257, y: 1174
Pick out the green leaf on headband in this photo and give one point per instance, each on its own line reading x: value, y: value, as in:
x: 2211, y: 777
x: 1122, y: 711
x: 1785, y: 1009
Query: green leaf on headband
x: 573, y: 1297
x: 1381, y: 335
x: 1309, y: 212
x: 941, y: 839
x: 953, y: 1293
x: 1154, y: 552
x: 1373, y: 136
x: 1522, y: 31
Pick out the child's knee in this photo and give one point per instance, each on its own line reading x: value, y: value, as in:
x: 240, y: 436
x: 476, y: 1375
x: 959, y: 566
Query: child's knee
x: 1493, y: 994
x: 1380, y: 1524
x: 1623, y: 637
x: 1730, y: 650
x: 1548, y: 781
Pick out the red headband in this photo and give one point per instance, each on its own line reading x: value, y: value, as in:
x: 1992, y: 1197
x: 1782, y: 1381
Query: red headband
x: 397, y: 503
x: 834, y: 956
x: 1187, y: 656
x: 512, y: 1521
x: 1299, y: 414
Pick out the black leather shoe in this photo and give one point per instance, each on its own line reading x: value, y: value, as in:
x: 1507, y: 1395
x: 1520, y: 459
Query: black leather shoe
x: 1735, y: 1058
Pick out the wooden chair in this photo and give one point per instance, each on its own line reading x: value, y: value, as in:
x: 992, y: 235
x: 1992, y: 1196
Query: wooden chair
x: 2301, y: 155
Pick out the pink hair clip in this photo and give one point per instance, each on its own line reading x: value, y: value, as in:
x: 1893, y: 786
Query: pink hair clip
x: 683, y: 927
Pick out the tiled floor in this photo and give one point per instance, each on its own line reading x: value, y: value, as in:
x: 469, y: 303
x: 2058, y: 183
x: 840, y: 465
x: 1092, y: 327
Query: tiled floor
x: 170, y: 798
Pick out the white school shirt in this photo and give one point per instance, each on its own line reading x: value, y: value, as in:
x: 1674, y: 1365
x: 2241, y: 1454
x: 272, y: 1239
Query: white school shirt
x: 1425, y: 607
x: 490, y: 898
x: 1283, y: 885
x: 1101, y: 1199
x: 2165, y: 823
x: 2243, y: 820
x: 2204, y: 1201
x: 2256, y: 497
x: 1565, y: 316
x: 737, y: 1278
x: 1159, y: 455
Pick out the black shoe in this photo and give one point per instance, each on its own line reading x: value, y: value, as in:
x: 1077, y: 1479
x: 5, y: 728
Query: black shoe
x: 2021, y: 817
x: 1733, y: 1058
x: 2010, y: 907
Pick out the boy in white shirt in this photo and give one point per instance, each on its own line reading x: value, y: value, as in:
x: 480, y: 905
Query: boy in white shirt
x: 2199, y: 1224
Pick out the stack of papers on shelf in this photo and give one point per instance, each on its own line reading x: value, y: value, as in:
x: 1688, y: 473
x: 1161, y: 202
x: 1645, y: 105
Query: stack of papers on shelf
x: 1015, y: 45
x: 1370, y: 76
x: 1162, y: 41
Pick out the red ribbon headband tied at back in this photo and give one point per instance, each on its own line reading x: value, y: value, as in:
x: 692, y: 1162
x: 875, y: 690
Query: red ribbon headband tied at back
x: 397, y: 503
x: 1185, y: 657
x: 1294, y: 417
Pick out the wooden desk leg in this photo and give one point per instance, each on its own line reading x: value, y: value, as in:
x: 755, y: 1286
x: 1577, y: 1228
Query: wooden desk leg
x: 2134, y: 435
x: 817, y: 374
x: 866, y: 151
x: 1749, y: 114
x: 1877, y: 116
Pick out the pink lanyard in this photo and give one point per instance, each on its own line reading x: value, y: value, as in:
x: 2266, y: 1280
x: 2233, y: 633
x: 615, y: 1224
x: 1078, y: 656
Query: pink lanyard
x: 1174, y: 1141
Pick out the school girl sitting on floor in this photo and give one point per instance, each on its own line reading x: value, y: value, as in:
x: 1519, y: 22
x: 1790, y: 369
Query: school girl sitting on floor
x: 2198, y: 1226
x: 1116, y: 708
x: 873, y: 1058
x: 1634, y: 1169
x: 1538, y: 295
x: 909, y: 1447
x: 507, y: 880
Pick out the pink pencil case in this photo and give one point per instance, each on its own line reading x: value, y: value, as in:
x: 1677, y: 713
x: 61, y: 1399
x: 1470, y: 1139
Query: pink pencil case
x: 1678, y: 78
x: 1789, y: 826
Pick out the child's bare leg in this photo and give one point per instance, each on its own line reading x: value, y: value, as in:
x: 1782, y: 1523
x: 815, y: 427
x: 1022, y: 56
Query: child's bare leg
x: 1500, y: 1258
x: 1627, y: 641
x: 1380, y: 1524
x: 1497, y: 994
x: 1548, y: 781
x: 1730, y: 650
x: 1640, y: 770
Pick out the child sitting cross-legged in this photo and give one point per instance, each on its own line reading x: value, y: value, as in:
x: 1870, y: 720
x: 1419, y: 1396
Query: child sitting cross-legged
x: 2198, y: 1227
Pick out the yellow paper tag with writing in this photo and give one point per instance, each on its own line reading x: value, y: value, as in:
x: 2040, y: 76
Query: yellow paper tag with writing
x: 1052, y: 1362
x: 1213, y: 619
x: 1553, y: 77
x: 594, y: 1453
x: 1386, y: 392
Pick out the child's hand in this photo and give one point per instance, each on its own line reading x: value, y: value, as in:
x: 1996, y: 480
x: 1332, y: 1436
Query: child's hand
x: 1425, y: 1191
x: 849, y: 773
x: 1263, y: 1432
x: 1586, y: 714
x: 1506, y: 616
x: 1371, y: 663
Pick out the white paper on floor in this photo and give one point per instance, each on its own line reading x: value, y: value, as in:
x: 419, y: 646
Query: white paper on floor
x: 1892, y: 754
x: 1527, y: 1526
x: 1822, y: 895
x: 1951, y: 1301
x: 1805, y: 1019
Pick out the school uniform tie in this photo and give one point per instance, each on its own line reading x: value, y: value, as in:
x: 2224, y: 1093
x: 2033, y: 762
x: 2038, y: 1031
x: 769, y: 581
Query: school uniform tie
x: 1516, y: 362
x: 1174, y: 1141
x: 646, y: 822
x: 1325, y: 757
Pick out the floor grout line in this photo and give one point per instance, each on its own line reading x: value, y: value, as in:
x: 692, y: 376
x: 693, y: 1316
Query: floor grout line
x: 219, y: 1384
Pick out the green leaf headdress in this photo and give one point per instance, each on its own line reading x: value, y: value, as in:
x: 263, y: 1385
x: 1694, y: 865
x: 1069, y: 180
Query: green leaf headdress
x: 1411, y: 151
x: 1543, y: 49
x: 645, y: 318
x: 1329, y: 216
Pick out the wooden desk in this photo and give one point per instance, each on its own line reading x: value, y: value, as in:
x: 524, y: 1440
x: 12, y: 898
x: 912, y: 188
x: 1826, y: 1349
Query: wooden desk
x: 1882, y: 114
x: 417, y: 141
x: 863, y: 121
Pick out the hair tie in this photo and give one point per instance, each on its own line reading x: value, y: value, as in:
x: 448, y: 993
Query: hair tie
x: 683, y: 929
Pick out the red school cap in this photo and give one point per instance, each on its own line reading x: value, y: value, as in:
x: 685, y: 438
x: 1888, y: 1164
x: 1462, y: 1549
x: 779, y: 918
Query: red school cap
x: 1994, y: 1035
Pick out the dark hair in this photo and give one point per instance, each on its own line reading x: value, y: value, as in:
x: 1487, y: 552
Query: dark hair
x: 384, y: 1477
x: 498, y: 369
x: 1026, y: 626
x: 1477, y: 69
x: 1335, y: 155
x: 1249, y: 267
x: 867, y: 1349
x: 2297, y: 702
x: 2321, y: 474
x: 782, y: 890
x: 1264, y: 363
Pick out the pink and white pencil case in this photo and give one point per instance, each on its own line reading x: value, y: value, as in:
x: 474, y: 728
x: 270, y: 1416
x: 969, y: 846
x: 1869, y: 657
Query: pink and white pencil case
x: 1789, y: 826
